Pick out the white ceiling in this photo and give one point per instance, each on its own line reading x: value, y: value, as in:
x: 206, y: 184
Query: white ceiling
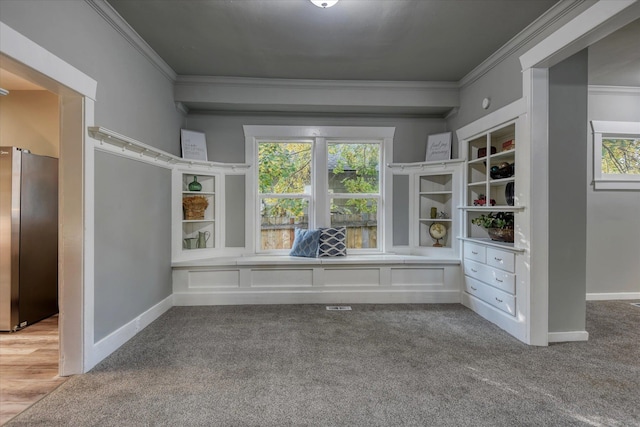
x: 396, y: 40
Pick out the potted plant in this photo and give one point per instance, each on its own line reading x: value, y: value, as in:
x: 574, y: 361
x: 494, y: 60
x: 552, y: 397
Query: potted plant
x: 499, y: 225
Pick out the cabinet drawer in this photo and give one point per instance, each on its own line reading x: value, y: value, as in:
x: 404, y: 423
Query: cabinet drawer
x: 475, y: 252
x: 504, y: 260
x: 491, y: 295
x: 491, y: 276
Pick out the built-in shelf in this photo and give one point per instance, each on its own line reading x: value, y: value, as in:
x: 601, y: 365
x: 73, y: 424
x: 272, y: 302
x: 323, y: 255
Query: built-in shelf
x: 132, y: 146
x: 422, y: 165
x: 492, y: 208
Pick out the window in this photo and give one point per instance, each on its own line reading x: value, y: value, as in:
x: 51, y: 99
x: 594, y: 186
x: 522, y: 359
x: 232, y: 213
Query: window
x: 616, y: 155
x: 284, y: 188
x: 333, y: 178
x: 354, y: 191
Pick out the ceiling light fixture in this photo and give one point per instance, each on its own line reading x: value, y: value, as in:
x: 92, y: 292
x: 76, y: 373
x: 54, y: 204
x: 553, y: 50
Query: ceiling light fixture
x: 324, y: 3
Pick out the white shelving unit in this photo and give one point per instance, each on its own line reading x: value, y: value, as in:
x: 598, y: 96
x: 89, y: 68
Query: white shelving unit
x: 435, y: 192
x: 433, y: 185
x: 212, y: 178
x: 191, y: 228
x: 484, y: 192
x: 496, y: 273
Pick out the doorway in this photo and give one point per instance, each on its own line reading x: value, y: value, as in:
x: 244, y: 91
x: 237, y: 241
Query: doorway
x: 75, y: 92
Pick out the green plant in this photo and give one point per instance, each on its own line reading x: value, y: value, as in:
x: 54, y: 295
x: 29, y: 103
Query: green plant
x: 494, y: 220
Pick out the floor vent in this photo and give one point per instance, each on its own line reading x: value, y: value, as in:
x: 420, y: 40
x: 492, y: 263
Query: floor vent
x: 339, y: 308
x: 637, y: 304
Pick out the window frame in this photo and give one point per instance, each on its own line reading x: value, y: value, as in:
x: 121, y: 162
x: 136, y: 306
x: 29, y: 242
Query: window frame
x: 377, y: 196
x: 612, y: 129
x: 260, y: 196
x: 319, y: 213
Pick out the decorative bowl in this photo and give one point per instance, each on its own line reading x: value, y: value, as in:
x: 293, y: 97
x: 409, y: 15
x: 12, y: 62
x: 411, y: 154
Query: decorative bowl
x: 501, y: 234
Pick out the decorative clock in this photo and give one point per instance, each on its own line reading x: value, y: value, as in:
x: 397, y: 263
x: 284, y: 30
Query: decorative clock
x: 437, y: 231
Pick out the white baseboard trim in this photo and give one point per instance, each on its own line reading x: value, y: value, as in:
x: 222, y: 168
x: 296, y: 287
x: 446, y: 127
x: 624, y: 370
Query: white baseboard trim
x: 568, y: 336
x: 315, y: 297
x: 612, y: 296
x: 117, y: 338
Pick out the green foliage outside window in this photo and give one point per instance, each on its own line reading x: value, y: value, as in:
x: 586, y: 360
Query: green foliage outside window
x: 621, y: 156
x: 359, y: 164
x: 285, y: 168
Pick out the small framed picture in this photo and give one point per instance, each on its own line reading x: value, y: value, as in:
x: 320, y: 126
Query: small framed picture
x: 194, y: 145
x: 438, y: 147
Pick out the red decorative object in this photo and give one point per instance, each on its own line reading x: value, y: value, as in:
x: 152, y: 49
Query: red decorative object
x: 482, y: 200
x: 482, y: 152
x: 508, y: 145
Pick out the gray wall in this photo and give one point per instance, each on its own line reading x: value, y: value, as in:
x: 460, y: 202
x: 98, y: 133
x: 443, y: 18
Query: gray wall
x: 567, y: 193
x: 613, y: 223
x: 234, y: 211
x: 133, y: 228
x: 136, y: 100
x: 400, y: 210
x: 225, y: 137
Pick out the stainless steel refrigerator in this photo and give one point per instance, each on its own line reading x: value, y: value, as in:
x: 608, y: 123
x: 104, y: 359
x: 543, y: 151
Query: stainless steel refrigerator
x: 28, y: 238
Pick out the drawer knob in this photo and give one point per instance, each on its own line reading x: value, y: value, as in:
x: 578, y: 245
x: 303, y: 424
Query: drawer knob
x: 474, y: 252
x: 473, y: 289
x: 498, y: 259
x: 498, y: 299
x: 475, y: 271
x: 498, y: 280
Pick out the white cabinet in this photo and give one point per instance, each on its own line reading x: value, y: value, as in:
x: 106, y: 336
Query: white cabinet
x: 489, y: 280
x: 496, y: 272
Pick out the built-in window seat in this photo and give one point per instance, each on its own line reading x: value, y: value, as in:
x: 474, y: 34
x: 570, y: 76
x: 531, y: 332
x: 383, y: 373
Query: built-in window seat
x: 257, y: 279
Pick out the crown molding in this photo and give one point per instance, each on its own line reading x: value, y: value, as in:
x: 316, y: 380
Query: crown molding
x: 547, y: 19
x: 113, y: 18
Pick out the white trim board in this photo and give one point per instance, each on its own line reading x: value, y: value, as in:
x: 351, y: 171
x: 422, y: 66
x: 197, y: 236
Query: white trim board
x: 117, y: 338
x: 612, y: 296
x: 317, y: 297
x: 24, y: 51
x: 593, y: 24
x: 569, y: 336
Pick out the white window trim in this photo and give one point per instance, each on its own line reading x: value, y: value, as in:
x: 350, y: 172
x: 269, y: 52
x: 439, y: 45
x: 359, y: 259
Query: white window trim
x: 321, y: 136
x: 602, y: 130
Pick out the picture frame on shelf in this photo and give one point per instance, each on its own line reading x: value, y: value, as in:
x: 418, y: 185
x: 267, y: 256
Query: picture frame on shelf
x: 438, y: 147
x: 193, y: 144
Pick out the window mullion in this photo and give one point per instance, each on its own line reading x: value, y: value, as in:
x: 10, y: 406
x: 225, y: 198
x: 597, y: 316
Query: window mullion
x: 320, y: 184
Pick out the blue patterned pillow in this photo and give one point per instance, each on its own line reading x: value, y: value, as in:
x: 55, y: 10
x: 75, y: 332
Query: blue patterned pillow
x: 305, y: 243
x: 333, y: 242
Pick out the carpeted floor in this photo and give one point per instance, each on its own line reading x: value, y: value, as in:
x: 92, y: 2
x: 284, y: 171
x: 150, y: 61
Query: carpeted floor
x: 378, y: 365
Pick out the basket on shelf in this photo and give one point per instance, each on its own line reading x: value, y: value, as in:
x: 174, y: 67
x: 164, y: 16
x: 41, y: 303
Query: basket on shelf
x: 194, y: 207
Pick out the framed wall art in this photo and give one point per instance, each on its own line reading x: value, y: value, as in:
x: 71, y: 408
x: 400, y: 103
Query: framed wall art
x: 438, y: 147
x: 194, y: 145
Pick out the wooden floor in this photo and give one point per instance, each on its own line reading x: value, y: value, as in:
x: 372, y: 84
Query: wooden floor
x: 28, y: 366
